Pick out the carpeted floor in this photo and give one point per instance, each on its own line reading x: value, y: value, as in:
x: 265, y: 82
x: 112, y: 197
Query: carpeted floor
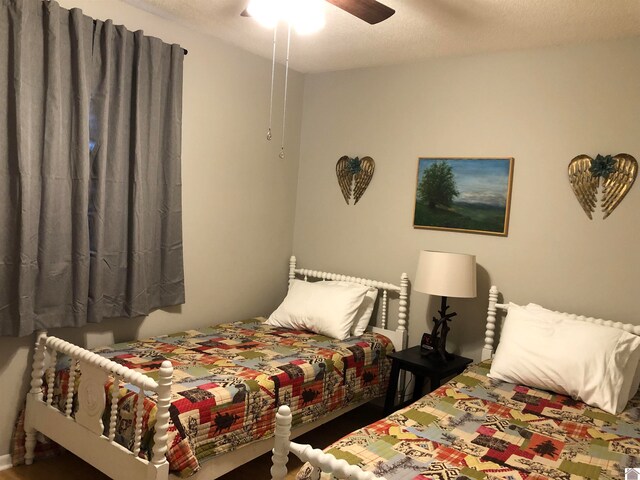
x: 70, y: 467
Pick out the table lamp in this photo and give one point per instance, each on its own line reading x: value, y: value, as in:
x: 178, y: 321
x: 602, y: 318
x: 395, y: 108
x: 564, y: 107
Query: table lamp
x: 447, y: 275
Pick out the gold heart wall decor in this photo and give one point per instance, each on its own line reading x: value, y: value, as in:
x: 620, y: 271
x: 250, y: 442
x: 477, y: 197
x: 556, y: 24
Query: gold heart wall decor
x: 617, y: 172
x: 354, y: 176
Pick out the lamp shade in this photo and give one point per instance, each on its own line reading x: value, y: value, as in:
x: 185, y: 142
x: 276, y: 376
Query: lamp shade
x: 446, y: 274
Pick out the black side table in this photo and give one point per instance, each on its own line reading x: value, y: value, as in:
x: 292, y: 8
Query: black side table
x: 421, y: 366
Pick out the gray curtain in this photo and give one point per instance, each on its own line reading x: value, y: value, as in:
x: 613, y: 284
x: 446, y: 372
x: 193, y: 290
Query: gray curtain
x: 45, y: 52
x: 90, y: 202
x: 135, y: 216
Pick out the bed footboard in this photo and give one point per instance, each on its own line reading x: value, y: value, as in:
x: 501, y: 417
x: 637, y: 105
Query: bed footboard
x: 321, y: 462
x: 81, y: 431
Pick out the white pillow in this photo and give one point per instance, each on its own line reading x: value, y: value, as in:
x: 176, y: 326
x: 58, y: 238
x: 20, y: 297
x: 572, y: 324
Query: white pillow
x: 361, y: 321
x: 571, y: 357
x: 630, y: 368
x: 363, y: 316
x: 322, y: 307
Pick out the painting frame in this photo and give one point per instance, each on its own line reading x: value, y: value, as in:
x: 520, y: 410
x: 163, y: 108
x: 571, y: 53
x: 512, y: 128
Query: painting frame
x: 472, y: 194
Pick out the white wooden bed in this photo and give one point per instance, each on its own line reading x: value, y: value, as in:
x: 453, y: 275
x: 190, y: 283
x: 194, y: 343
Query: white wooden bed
x: 81, y: 432
x: 340, y: 469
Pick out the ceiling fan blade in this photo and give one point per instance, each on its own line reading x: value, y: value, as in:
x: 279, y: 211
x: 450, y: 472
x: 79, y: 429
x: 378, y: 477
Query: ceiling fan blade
x: 370, y: 11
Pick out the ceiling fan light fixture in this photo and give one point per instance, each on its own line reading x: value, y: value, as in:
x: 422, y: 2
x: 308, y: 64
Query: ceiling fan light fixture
x: 305, y: 16
x: 266, y: 12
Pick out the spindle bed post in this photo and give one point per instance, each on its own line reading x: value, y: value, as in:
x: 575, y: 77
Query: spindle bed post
x: 50, y: 368
x: 71, y: 386
x: 162, y: 416
x: 37, y: 371
x: 383, y: 315
x: 280, y: 450
x: 292, y: 269
x: 137, y: 439
x: 403, y: 308
x: 113, y: 415
x: 490, y: 331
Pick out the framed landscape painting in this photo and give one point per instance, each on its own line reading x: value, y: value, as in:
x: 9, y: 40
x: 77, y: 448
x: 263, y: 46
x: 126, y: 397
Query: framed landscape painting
x: 464, y: 194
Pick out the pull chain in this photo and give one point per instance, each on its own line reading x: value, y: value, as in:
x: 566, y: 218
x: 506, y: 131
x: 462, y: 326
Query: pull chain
x: 286, y: 81
x: 273, y: 74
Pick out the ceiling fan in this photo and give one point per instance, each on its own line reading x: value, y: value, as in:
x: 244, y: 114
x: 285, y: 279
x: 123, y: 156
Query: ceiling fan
x: 371, y: 11
x: 305, y: 17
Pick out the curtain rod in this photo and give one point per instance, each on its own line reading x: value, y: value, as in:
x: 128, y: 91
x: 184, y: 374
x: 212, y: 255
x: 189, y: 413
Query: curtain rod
x: 186, y: 52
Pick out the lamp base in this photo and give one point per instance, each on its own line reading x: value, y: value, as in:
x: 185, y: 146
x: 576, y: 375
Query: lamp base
x: 439, y: 334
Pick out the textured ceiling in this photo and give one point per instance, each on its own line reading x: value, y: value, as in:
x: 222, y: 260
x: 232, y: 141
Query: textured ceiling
x: 419, y: 29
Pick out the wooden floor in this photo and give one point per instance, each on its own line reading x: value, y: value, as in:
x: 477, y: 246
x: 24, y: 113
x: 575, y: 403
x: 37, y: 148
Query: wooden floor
x: 70, y: 467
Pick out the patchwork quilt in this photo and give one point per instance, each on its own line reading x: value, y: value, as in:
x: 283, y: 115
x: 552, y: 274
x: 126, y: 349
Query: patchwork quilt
x: 230, y: 379
x: 475, y: 427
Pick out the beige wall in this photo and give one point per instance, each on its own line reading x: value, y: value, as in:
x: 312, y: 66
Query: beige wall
x: 542, y: 107
x: 238, y: 197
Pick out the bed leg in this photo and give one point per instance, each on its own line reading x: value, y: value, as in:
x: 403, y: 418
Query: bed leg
x: 281, y: 448
x: 29, y: 445
x: 35, y: 393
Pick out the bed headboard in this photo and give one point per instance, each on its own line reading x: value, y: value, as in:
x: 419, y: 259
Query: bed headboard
x: 496, y: 308
x: 397, y: 336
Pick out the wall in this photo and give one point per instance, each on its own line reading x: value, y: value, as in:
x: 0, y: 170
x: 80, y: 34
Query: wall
x: 238, y: 197
x: 542, y: 107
